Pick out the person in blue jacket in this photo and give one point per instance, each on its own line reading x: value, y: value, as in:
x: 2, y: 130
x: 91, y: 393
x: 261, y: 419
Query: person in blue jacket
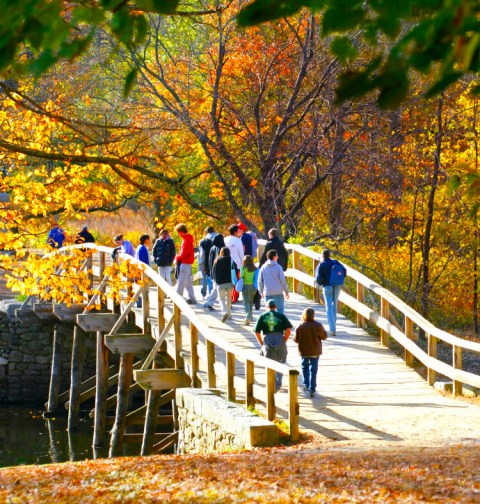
x: 56, y: 237
x: 141, y: 254
x: 330, y: 292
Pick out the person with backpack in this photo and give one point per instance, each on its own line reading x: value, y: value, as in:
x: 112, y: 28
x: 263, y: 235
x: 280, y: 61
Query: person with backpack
x: 330, y: 274
x: 218, y: 243
x: 204, y: 247
x: 225, y: 272
x: 164, y: 253
x: 56, y: 237
x: 274, y: 243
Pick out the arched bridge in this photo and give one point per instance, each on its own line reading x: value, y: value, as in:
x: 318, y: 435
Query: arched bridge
x: 369, y: 394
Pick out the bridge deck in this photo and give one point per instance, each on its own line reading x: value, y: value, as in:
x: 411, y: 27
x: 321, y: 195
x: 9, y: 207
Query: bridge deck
x: 366, y: 394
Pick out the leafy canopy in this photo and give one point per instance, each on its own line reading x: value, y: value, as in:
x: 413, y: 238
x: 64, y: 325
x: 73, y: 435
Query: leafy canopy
x: 439, y: 36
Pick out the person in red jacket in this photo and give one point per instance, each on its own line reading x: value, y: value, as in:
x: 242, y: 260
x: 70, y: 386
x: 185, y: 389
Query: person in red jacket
x: 184, y: 260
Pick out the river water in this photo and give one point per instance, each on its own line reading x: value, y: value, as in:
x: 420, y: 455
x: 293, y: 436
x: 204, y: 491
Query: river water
x: 27, y: 438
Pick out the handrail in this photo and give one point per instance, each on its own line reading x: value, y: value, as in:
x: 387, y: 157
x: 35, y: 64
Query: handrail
x: 382, y: 321
x: 249, y: 357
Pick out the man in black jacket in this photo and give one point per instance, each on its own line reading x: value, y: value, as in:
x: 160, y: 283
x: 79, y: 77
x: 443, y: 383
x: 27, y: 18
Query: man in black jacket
x: 163, y: 254
x: 274, y: 243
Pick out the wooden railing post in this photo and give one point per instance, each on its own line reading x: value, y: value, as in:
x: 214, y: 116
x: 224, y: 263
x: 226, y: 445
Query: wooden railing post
x: 457, y: 356
x: 146, y: 305
x: 177, y: 329
x: 385, y: 313
x: 293, y: 407
x: 432, y: 352
x: 194, y: 355
x: 360, y: 299
x: 409, y: 334
x: 211, y: 376
x: 101, y: 391
x: 271, y: 387
x: 317, y: 296
x: 297, y: 285
x: 230, y: 376
x: 249, y: 380
x: 160, y: 308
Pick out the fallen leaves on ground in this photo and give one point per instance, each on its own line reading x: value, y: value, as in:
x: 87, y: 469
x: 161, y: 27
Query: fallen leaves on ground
x: 294, y: 474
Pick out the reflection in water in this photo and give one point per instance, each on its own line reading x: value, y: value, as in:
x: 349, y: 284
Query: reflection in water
x: 27, y: 438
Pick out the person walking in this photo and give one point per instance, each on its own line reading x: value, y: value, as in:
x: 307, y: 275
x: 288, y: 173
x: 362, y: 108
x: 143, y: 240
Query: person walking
x: 204, y: 247
x: 56, y: 236
x: 141, y: 254
x: 164, y: 254
x: 84, y: 236
x: 330, y: 292
x: 224, y: 272
x: 218, y: 244
x: 184, y: 260
x: 235, y: 245
x: 246, y: 239
x: 249, y: 274
x: 124, y: 246
x: 274, y: 243
x: 275, y: 328
x: 272, y: 282
x: 309, y: 336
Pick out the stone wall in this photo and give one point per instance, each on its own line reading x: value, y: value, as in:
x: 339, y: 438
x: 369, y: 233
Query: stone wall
x: 210, y: 424
x: 25, y: 357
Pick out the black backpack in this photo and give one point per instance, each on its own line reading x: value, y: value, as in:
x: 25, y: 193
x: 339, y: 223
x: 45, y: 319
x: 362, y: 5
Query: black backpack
x: 207, y: 245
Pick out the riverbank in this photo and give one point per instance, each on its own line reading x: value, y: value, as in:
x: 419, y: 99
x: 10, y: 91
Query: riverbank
x: 303, y: 473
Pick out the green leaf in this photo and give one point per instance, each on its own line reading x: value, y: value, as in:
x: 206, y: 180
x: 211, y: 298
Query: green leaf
x: 160, y: 6
x: 90, y: 15
x: 130, y: 80
x: 351, y: 85
x: 341, y: 18
x: 260, y: 11
x: 343, y: 49
x: 393, y: 88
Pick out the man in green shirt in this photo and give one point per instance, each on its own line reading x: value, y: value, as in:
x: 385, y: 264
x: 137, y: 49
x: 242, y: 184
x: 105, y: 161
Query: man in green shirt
x: 276, y: 329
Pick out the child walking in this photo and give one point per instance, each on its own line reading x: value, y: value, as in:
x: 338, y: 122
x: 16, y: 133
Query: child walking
x: 249, y: 274
x: 309, y: 335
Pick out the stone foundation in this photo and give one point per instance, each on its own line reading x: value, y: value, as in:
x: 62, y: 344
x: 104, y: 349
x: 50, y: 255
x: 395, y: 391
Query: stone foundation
x: 210, y: 424
x: 25, y: 357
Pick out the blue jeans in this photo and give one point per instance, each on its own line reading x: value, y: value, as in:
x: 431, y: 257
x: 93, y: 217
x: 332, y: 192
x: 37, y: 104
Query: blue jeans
x: 279, y: 300
x: 330, y: 294
x: 248, y: 293
x: 310, y: 368
x: 206, y: 282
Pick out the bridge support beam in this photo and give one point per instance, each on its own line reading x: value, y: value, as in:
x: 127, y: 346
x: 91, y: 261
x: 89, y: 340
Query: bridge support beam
x: 78, y: 360
x: 59, y: 334
x: 124, y: 381
x: 101, y: 392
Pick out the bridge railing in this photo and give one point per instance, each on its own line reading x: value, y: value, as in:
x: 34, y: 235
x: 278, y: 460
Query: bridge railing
x: 403, y: 334
x: 184, y: 314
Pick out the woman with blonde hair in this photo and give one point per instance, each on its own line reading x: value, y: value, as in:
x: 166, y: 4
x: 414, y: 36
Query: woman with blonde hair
x: 309, y: 335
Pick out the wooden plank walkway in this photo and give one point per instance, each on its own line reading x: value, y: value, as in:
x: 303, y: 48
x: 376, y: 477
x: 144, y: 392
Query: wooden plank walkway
x: 367, y: 395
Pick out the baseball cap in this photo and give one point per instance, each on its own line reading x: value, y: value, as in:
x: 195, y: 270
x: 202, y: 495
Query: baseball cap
x: 271, y: 303
x: 242, y: 226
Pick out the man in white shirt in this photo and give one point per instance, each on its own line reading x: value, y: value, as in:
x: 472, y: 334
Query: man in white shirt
x: 235, y: 245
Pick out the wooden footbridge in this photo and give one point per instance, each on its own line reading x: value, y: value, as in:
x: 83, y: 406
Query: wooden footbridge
x: 167, y: 344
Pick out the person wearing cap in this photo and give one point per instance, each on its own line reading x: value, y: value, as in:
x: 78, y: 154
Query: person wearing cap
x: 246, y: 238
x: 84, y: 236
x: 272, y: 331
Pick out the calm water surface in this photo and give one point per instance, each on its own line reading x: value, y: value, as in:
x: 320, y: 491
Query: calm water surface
x: 27, y: 438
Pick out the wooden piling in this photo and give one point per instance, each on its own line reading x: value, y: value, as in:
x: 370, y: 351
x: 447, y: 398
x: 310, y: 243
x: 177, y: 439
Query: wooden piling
x: 78, y: 360
x: 124, y: 381
x: 56, y: 370
x: 153, y: 405
x: 101, y: 392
